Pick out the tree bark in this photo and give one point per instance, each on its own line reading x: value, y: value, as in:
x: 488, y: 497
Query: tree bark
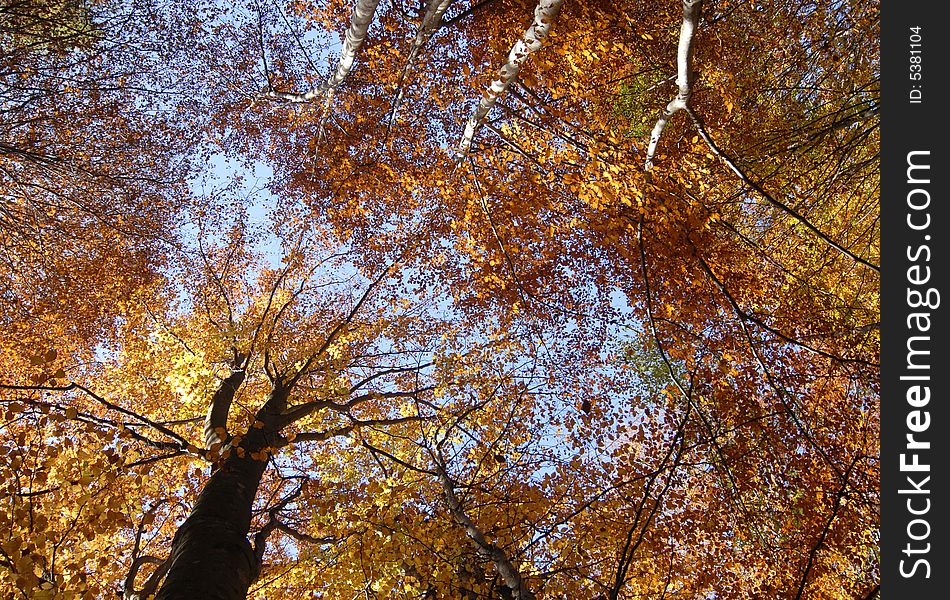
x: 431, y: 22
x: 360, y: 20
x: 503, y: 565
x: 217, y: 416
x: 211, y: 557
x: 692, y: 10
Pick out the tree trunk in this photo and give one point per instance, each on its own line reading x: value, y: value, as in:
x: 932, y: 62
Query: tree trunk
x: 211, y: 557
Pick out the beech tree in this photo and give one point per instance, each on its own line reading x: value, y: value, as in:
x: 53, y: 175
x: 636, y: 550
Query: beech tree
x: 548, y: 299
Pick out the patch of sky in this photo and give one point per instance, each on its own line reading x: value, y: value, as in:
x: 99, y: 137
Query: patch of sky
x: 247, y: 182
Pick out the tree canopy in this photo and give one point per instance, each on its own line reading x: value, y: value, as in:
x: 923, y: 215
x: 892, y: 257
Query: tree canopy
x: 455, y: 299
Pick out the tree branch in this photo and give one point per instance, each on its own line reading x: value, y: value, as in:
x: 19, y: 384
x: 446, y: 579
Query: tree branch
x: 684, y: 75
x: 75, y: 386
x: 151, y: 584
x: 338, y: 329
x: 701, y: 128
x: 321, y: 436
x: 360, y: 20
x: 431, y: 22
x: 508, y: 571
x: 824, y: 532
x: 544, y: 15
x: 216, y: 421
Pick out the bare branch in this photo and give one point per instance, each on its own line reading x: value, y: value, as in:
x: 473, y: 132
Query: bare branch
x: 338, y: 329
x: 701, y: 128
x: 376, y: 450
x: 303, y: 537
x: 75, y: 386
x: 322, y: 436
x: 151, y: 584
x: 839, y: 496
x: 260, y: 538
x: 385, y: 372
x: 299, y: 412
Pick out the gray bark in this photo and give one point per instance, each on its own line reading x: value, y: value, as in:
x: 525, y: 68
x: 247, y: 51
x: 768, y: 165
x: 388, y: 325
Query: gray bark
x: 503, y: 565
x: 211, y: 556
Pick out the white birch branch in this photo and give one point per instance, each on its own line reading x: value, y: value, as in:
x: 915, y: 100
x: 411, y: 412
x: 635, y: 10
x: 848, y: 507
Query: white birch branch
x: 544, y: 15
x: 355, y: 36
x: 431, y: 22
x: 684, y: 75
x: 360, y: 20
x: 506, y: 569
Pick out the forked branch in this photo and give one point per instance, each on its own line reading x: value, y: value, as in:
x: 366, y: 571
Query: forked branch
x: 692, y: 10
